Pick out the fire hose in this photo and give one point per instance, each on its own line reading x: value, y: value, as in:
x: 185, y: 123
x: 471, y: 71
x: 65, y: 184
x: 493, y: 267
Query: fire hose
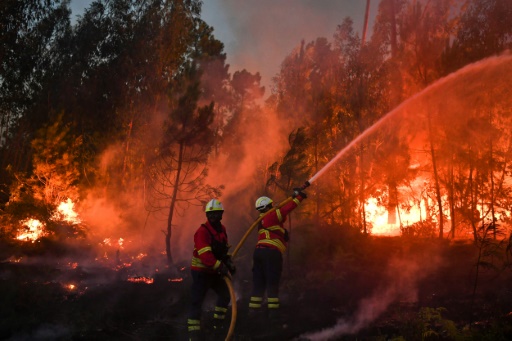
x: 227, y: 279
x: 235, y: 251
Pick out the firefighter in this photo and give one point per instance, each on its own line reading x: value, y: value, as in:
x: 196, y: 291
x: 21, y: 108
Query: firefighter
x: 268, y: 254
x: 210, y: 262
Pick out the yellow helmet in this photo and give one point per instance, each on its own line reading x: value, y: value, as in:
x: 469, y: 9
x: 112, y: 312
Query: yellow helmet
x: 263, y: 202
x: 214, y: 205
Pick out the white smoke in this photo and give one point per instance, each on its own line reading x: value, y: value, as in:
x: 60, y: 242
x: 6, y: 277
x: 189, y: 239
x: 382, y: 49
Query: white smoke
x: 404, y: 275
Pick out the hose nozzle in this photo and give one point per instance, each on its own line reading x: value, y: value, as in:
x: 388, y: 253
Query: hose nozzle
x: 306, y: 185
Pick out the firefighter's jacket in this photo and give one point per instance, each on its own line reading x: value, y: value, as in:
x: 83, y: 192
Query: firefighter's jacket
x: 210, y: 247
x: 271, y: 232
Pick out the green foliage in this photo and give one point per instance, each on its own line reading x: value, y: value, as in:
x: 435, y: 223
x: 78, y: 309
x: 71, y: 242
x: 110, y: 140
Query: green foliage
x: 429, y: 324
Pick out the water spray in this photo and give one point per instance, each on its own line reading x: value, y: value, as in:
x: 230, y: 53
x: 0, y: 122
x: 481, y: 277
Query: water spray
x: 493, y: 61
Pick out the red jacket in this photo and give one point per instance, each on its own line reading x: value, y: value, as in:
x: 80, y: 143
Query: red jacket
x: 271, y: 233
x: 203, y: 258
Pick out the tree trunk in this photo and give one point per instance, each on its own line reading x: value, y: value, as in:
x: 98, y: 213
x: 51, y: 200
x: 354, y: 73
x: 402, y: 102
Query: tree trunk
x: 362, y: 198
x: 317, y: 196
x: 491, y: 174
x: 168, y: 235
x: 436, y: 178
x: 365, y: 26
x: 393, y: 28
x: 451, y: 198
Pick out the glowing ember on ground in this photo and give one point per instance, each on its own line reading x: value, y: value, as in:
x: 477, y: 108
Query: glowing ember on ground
x: 65, y: 212
x: 141, y: 279
x: 140, y: 256
x: 70, y: 286
x: 109, y: 242
x: 124, y: 265
x: 13, y: 259
x: 175, y: 279
x: 32, y: 230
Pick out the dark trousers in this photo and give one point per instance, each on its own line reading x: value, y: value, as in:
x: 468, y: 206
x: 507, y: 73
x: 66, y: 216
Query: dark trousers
x: 202, y: 282
x: 266, y: 272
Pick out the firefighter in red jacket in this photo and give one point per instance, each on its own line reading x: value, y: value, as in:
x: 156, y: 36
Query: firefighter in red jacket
x: 268, y: 255
x: 210, y: 262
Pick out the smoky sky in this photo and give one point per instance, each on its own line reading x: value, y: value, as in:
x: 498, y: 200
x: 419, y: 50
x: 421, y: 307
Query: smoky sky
x: 259, y: 34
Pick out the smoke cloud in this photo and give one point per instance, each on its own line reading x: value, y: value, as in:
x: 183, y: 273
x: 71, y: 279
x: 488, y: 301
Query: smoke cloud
x: 404, y: 276
x: 259, y: 34
x: 236, y: 167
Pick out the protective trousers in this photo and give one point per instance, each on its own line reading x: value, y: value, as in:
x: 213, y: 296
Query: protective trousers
x: 267, y: 268
x: 201, y: 283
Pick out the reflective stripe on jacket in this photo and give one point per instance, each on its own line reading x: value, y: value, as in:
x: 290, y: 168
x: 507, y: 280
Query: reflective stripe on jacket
x: 203, y: 258
x: 271, y: 232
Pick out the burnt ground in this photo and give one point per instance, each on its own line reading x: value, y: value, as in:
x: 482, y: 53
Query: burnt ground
x: 380, y: 289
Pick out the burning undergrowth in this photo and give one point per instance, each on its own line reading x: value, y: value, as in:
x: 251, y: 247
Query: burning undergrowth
x: 66, y: 289
x: 96, y: 285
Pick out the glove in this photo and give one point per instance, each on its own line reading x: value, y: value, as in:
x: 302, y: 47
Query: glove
x: 230, y: 265
x: 223, y: 270
x: 298, y: 192
x: 286, y: 235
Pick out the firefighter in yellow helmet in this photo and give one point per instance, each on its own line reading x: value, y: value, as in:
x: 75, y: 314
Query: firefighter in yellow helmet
x: 210, y: 262
x: 268, y: 254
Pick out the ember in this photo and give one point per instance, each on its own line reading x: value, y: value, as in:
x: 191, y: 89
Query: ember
x: 138, y: 279
x: 70, y: 286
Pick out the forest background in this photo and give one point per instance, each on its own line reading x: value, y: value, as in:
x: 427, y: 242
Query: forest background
x: 132, y: 114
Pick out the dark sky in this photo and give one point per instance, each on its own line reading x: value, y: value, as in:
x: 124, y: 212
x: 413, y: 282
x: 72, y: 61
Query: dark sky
x: 258, y: 34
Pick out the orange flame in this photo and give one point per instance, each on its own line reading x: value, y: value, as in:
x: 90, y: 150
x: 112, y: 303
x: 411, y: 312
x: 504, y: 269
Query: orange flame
x: 33, y: 230
x: 65, y: 212
x: 378, y: 216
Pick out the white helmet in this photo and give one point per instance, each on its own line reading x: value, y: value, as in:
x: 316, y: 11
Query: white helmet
x: 263, y: 202
x: 214, y: 205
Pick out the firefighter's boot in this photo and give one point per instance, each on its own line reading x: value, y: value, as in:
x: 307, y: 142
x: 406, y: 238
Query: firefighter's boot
x: 195, y: 336
x: 220, y: 331
x: 194, y: 330
x: 219, y: 323
x: 274, y: 315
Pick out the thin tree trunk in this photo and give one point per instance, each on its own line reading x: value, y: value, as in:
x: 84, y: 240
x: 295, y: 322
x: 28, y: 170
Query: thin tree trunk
x: 472, y: 195
x: 317, y: 201
x: 393, y: 27
x: 451, y: 198
x: 365, y: 27
x: 436, y: 178
x: 362, y: 198
x: 173, y: 204
x: 491, y: 174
